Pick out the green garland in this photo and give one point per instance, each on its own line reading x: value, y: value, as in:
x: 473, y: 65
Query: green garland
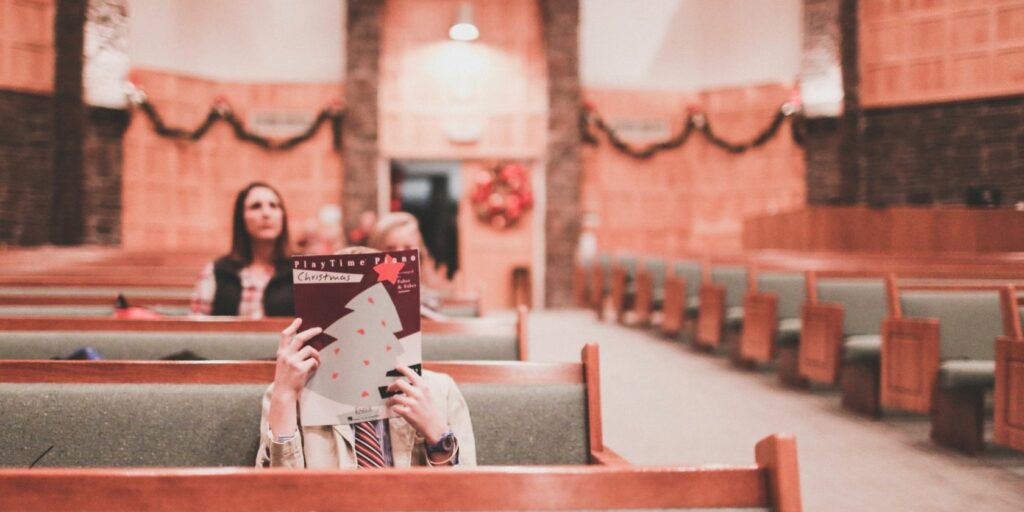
x: 221, y: 111
x: 694, y: 121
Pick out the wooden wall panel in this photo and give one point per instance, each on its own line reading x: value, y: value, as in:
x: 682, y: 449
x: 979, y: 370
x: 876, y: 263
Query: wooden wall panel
x: 27, y: 45
x: 433, y: 88
x: 493, y: 89
x: 925, y: 51
x: 695, y: 197
x: 895, y: 230
x: 487, y: 256
x: 177, y: 195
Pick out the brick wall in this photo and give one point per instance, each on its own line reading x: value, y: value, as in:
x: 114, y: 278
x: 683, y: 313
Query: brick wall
x: 103, y: 157
x: 560, y: 26
x: 934, y: 153
x: 26, y: 167
x: 928, y: 138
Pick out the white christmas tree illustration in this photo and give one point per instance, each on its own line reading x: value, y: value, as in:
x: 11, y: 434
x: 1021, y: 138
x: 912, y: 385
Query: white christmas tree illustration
x: 355, y: 365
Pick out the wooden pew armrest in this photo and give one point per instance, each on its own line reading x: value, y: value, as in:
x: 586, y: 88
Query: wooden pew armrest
x: 910, y: 363
x: 607, y: 457
x: 821, y: 342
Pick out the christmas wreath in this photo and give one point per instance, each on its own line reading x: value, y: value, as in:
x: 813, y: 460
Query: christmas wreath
x: 502, y: 195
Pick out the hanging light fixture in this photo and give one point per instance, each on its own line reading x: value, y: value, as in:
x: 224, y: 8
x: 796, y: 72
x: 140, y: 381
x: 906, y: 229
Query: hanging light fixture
x: 463, y: 29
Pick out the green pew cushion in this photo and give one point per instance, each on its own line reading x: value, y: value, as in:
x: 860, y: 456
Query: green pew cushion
x: 863, y: 302
x: 788, y: 332
x: 734, y: 317
x: 969, y: 321
x: 862, y: 347
x: 689, y: 271
x: 119, y: 425
x: 138, y: 345
x: 461, y: 347
x: 734, y: 279
x: 962, y: 373
x: 81, y: 310
x: 790, y: 289
x: 225, y: 346
x: 529, y: 424
x: 459, y: 311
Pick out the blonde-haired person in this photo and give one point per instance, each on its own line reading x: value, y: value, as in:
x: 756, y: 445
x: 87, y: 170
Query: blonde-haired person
x: 399, y: 231
x: 432, y: 426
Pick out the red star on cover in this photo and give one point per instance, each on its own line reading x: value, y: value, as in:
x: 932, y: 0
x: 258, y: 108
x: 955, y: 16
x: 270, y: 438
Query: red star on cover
x: 388, y: 271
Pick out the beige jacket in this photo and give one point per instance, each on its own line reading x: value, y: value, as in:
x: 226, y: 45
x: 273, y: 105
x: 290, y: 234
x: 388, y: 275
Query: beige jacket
x: 332, y: 446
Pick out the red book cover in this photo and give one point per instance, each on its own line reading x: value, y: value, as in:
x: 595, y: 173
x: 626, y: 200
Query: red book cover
x: 369, y: 308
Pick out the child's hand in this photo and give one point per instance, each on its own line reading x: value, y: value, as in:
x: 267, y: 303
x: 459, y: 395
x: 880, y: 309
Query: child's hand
x: 416, y: 405
x: 294, y: 361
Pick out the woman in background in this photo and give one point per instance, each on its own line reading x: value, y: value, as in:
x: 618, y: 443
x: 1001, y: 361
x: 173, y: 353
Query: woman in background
x: 253, y: 280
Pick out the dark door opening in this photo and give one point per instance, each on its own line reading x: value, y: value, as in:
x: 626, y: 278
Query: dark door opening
x: 430, y: 190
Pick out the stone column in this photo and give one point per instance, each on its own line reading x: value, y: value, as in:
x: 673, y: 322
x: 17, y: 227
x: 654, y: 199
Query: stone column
x: 359, y: 138
x: 560, y: 21
x: 66, y: 222
x: 832, y: 142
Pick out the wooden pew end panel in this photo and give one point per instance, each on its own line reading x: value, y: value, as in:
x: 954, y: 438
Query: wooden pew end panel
x: 1009, y: 393
x: 711, y: 318
x: 673, y: 308
x: 909, y: 363
x: 821, y: 342
x: 760, y: 323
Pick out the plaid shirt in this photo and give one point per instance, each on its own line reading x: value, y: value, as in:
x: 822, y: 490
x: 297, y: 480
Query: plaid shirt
x: 254, y: 280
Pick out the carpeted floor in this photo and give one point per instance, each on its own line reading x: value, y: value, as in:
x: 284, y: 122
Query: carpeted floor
x: 664, y: 403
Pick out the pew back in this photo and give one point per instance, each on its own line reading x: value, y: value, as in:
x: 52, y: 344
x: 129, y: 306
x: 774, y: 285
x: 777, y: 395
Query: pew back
x: 773, y: 483
x: 734, y: 279
x: 863, y: 301
x: 127, y: 413
x: 789, y: 287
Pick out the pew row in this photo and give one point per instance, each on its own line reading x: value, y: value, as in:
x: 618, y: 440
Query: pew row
x: 206, y: 413
x: 228, y: 338
x: 773, y: 483
x: 938, y: 355
x: 772, y: 323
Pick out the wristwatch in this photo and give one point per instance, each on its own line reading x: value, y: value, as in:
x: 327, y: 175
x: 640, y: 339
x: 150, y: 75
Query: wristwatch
x: 444, y: 445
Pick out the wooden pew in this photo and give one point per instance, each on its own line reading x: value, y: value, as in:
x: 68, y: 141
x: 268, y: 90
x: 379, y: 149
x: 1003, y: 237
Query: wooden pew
x: 648, y: 292
x: 721, y: 302
x: 492, y: 332
x: 622, y: 288
x: 600, y: 282
x: 682, y: 291
x: 771, y: 320
x: 1009, y: 387
x: 773, y: 482
x: 928, y: 366
x: 466, y: 373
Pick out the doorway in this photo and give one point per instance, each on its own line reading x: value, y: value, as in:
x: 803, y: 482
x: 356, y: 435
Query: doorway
x: 430, y: 190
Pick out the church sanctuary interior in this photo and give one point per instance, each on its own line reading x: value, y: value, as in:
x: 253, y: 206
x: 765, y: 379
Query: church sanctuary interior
x: 510, y: 255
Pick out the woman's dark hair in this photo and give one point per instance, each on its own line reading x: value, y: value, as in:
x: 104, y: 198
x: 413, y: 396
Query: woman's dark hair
x: 241, y: 240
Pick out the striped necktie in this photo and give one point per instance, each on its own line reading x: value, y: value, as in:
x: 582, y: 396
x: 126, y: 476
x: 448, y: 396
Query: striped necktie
x: 368, y: 451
